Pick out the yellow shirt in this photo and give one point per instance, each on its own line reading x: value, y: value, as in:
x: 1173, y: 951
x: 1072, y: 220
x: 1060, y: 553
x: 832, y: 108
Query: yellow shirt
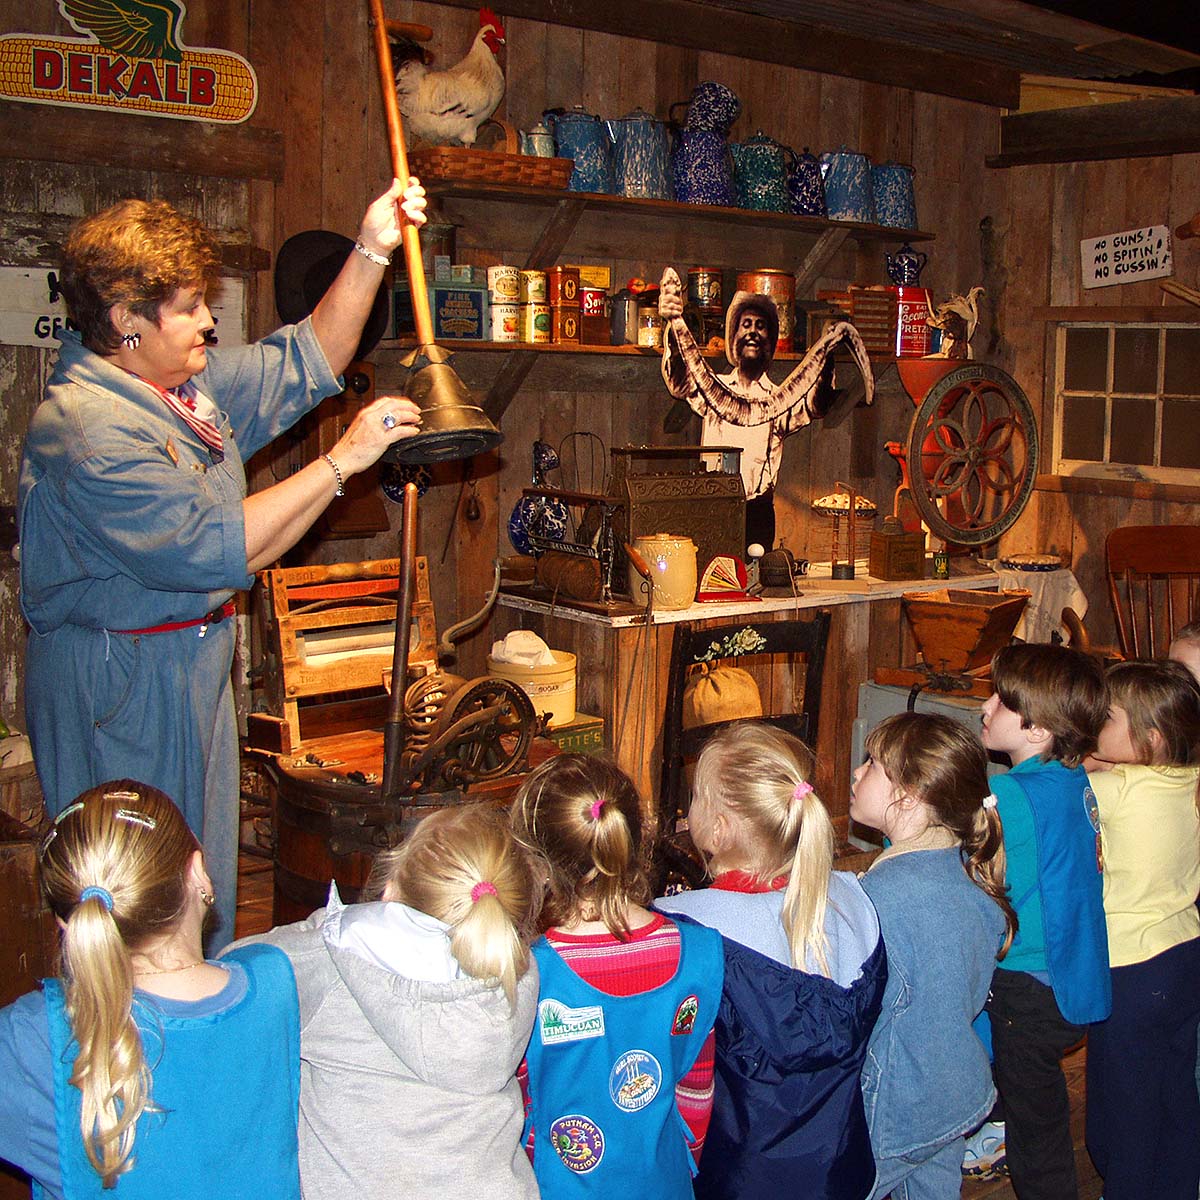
x: 1150, y: 832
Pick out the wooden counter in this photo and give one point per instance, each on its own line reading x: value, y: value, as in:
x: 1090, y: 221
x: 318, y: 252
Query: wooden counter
x: 621, y: 667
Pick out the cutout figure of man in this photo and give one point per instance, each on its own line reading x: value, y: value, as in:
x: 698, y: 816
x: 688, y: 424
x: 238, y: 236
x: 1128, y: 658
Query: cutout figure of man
x: 744, y: 407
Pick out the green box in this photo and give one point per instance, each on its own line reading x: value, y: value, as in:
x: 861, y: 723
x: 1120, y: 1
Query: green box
x: 584, y: 735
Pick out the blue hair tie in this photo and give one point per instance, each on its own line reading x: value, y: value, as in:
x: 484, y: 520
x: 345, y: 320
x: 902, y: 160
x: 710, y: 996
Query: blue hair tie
x: 97, y: 893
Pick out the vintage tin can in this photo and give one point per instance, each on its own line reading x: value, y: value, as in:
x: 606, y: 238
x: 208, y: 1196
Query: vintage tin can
x: 562, y: 287
x: 594, y: 329
x: 459, y: 311
x: 593, y: 275
x: 535, y: 322
x: 781, y: 287
x: 593, y: 301
x: 504, y: 284
x: 912, y: 334
x: 649, y: 327
x: 506, y: 322
x: 564, y: 324
x: 533, y: 287
x: 704, y: 287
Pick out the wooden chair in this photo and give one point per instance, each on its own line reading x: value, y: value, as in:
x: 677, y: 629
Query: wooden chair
x: 744, y: 643
x: 1153, y: 584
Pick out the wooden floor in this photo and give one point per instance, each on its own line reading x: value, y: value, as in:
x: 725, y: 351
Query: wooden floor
x: 254, y: 916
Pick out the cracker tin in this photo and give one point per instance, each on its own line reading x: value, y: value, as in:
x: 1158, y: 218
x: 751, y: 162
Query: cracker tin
x: 533, y: 287
x: 564, y: 324
x: 535, y: 322
x: 506, y: 322
x: 459, y: 311
x: 562, y: 287
x: 504, y: 284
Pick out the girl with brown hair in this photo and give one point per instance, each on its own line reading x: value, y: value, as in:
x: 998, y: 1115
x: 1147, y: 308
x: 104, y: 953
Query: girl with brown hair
x: 144, y: 1064
x: 415, y: 1009
x: 620, y: 1062
x: 940, y: 893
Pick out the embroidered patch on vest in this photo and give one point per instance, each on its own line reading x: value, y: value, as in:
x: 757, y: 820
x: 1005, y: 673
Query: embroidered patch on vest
x: 578, y: 1141
x: 635, y: 1080
x: 685, y: 1016
x: 558, y: 1023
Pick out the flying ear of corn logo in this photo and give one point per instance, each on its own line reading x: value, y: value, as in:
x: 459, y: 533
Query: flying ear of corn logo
x: 133, y: 59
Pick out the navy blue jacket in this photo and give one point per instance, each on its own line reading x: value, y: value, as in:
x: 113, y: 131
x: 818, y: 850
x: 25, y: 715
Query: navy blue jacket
x: 788, y: 1108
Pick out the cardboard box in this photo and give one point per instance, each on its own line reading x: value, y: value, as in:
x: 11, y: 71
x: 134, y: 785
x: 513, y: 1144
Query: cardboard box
x: 584, y: 735
x: 592, y: 275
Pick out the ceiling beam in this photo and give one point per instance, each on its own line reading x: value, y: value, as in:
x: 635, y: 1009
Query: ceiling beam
x: 1129, y: 129
x: 699, y: 26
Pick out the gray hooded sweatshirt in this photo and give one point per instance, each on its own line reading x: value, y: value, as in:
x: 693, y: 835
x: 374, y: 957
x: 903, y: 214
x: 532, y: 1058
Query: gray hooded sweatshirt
x: 408, y: 1084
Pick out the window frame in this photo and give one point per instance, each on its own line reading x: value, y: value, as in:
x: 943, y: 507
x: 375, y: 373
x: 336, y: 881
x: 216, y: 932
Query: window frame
x: 1106, y: 470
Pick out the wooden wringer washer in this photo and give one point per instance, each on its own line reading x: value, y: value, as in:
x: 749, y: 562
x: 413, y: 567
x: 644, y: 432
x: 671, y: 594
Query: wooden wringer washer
x: 356, y: 762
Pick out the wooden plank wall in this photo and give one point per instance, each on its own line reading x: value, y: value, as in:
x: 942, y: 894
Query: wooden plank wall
x: 1041, y: 216
x: 1016, y: 231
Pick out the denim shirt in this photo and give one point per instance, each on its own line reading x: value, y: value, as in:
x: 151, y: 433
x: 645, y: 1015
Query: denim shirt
x: 927, y: 1078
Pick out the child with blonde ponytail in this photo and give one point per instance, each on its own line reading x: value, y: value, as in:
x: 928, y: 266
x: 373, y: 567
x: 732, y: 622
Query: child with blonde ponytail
x: 619, y: 1068
x: 940, y: 892
x: 145, y: 1068
x: 415, y: 1008
x: 804, y: 975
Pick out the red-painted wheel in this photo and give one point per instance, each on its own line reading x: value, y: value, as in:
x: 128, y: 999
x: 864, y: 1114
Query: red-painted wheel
x: 973, y: 454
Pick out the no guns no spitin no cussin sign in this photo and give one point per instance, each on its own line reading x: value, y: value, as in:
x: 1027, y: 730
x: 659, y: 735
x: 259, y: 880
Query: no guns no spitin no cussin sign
x: 1126, y: 257
x: 131, y: 59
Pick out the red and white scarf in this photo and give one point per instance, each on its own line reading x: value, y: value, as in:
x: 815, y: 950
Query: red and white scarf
x: 195, y: 409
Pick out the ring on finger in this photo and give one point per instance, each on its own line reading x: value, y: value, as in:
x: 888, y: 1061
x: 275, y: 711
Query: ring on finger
x: 389, y: 421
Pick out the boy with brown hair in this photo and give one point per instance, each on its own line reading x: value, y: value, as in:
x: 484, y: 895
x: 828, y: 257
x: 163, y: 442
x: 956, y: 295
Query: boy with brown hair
x: 1047, y: 710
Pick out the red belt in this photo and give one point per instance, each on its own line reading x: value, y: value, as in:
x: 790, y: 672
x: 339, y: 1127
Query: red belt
x: 213, y: 618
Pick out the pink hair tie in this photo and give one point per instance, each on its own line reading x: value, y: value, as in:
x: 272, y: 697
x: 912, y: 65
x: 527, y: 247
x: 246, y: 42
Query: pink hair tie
x: 597, y: 805
x: 483, y: 888
x: 802, y: 789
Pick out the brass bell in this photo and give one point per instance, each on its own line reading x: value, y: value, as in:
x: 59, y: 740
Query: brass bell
x: 453, y: 426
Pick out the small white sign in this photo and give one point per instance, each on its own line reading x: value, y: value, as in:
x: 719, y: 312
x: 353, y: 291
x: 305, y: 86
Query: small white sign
x: 34, y: 313
x: 1126, y: 257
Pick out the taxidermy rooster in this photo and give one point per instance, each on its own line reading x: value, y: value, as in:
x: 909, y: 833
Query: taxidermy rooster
x: 447, y: 107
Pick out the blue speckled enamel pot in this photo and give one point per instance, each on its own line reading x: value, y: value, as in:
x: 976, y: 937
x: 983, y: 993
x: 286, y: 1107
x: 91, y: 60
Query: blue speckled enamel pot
x: 760, y: 169
x: 703, y: 169
x: 641, y: 157
x: 847, y: 178
x: 806, y: 191
x: 584, y: 137
x: 892, y: 189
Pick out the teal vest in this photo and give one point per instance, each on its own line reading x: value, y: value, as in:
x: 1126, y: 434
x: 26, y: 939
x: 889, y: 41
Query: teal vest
x: 1070, y: 885
x: 602, y: 1076
x: 227, y: 1087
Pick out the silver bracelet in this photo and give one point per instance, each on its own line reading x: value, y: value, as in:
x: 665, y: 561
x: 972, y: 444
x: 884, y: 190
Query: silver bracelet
x: 337, y: 474
x: 380, y: 260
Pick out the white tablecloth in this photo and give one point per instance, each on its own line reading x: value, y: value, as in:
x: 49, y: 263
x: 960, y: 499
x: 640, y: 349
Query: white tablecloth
x: 1050, y: 592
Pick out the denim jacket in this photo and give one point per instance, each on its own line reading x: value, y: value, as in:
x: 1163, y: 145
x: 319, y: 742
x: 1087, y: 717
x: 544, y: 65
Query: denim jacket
x: 927, y: 1078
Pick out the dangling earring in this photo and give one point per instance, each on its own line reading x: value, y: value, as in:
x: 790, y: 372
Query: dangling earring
x: 132, y: 340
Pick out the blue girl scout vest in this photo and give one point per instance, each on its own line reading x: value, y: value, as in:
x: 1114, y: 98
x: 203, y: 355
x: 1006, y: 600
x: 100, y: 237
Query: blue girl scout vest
x: 227, y: 1087
x: 603, y: 1070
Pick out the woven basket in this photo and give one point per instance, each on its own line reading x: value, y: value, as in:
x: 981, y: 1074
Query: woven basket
x: 490, y: 166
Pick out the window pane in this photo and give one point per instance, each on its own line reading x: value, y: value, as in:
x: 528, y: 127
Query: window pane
x: 1181, y: 371
x: 1135, y: 361
x: 1181, y: 433
x: 1132, y: 438
x: 1086, y: 368
x: 1083, y: 428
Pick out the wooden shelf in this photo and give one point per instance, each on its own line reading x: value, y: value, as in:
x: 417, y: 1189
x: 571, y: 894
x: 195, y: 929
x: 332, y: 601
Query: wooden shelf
x: 561, y: 213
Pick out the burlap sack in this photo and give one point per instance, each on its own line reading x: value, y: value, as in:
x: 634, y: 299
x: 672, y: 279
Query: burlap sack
x: 715, y: 694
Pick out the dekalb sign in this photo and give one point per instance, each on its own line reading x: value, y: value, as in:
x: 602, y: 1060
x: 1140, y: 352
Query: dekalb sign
x: 133, y: 60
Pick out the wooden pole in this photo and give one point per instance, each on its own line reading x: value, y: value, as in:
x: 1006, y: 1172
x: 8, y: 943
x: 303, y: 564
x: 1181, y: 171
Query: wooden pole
x: 409, y: 233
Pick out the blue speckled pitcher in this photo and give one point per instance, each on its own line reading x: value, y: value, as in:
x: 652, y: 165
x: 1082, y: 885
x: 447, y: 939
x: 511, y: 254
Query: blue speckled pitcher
x: 587, y: 139
x: 892, y: 189
x: 806, y: 191
x: 702, y: 168
x: 847, y: 178
x: 641, y: 157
